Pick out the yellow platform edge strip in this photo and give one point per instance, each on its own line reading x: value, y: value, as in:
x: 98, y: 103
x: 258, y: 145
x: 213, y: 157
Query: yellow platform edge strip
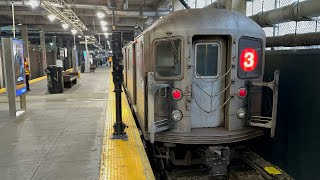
x: 123, y: 160
x: 3, y: 90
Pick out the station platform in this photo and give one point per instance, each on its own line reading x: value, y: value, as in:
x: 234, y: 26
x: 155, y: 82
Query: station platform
x: 123, y: 160
x: 66, y: 136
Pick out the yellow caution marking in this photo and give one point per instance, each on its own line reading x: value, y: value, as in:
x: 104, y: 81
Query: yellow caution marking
x: 123, y: 160
x: 2, y: 90
x: 272, y: 170
x: 37, y: 79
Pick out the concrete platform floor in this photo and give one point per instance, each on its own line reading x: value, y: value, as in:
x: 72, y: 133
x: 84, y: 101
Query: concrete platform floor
x: 60, y: 136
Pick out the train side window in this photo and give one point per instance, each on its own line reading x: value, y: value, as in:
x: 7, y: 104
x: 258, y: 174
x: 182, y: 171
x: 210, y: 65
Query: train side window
x: 207, y: 59
x: 168, y: 58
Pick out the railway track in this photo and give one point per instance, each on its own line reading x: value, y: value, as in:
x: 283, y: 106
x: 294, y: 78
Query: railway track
x: 250, y: 166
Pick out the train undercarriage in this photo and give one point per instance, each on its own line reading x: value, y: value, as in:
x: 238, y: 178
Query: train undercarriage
x: 186, y: 162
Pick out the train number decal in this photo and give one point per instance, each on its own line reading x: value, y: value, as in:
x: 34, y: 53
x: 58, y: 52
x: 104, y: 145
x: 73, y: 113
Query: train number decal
x: 249, y: 59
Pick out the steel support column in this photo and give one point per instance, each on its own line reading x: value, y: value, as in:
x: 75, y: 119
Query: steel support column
x: 55, y: 50
x: 69, y: 54
x: 43, y: 51
x: 24, y: 34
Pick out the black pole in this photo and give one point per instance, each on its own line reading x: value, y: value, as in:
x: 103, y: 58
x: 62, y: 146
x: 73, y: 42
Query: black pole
x: 117, y: 68
x: 185, y: 4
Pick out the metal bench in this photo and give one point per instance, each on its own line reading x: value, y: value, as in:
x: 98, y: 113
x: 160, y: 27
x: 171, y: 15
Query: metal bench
x: 69, y: 81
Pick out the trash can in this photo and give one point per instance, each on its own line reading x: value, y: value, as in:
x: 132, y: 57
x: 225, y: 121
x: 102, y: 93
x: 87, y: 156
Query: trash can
x: 82, y: 67
x: 54, y: 79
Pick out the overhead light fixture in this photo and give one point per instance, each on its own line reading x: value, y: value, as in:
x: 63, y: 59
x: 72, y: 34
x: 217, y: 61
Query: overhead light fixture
x: 79, y: 36
x: 52, y: 17
x: 103, y: 23
x: 104, y: 29
x: 65, y: 26
x: 100, y: 15
x: 19, y: 23
x: 33, y: 3
x: 74, y: 32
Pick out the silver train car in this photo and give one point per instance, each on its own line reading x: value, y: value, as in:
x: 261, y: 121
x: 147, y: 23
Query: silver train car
x: 195, y: 80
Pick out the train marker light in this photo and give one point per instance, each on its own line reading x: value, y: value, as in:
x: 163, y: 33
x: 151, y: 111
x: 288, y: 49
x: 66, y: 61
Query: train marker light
x: 176, y: 94
x: 249, y: 59
x: 176, y: 115
x: 241, y: 113
x: 242, y: 92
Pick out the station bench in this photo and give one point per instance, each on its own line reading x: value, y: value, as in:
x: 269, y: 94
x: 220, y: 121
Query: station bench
x: 69, y: 79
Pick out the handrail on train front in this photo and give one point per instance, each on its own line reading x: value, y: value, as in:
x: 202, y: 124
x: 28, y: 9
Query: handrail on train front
x: 153, y: 87
x: 268, y: 122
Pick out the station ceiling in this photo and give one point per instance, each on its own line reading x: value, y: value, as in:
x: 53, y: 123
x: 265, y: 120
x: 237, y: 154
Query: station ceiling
x: 128, y: 14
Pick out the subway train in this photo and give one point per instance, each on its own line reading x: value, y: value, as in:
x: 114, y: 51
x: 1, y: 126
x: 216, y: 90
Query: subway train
x: 195, y: 81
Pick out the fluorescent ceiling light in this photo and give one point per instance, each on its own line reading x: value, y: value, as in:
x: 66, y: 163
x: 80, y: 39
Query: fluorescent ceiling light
x: 103, y: 23
x: 100, y: 15
x: 104, y: 29
x: 65, y: 26
x: 52, y: 17
x: 74, y: 32
x: 33, y: 3
x: 79, y: 36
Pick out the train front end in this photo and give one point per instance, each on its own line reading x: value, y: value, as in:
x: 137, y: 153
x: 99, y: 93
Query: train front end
x: 205, y: 92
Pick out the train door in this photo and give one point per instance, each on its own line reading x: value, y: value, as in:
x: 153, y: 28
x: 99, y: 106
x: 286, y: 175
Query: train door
x: 168, y: 58
x: 131, y: 73
x: 140, y: 85
x: 208, y: 82
x: 125, y: 60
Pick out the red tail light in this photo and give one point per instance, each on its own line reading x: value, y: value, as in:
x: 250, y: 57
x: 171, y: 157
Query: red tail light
x: 242, y: 92
x: 176, y: 94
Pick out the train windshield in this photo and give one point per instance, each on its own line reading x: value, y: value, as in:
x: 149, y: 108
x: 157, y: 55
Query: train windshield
x: 168, y: 58
x: 207, y: 56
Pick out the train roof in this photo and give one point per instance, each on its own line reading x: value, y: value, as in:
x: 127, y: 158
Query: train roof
x: 206, y: 21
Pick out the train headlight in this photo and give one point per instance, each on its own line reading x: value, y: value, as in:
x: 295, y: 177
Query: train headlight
x: 176, y: 115
x: 241, y: 113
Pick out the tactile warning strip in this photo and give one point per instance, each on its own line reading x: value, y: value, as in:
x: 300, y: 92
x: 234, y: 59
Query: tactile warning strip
x: 123, y: 160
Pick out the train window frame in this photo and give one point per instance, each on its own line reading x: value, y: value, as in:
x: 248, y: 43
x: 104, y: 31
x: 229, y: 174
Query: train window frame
x: 154, y: 43
x: 197, y: 75
x: 261, y: 54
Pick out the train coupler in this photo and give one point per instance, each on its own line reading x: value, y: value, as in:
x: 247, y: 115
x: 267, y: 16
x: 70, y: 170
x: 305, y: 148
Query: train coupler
x: 217, y: 158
